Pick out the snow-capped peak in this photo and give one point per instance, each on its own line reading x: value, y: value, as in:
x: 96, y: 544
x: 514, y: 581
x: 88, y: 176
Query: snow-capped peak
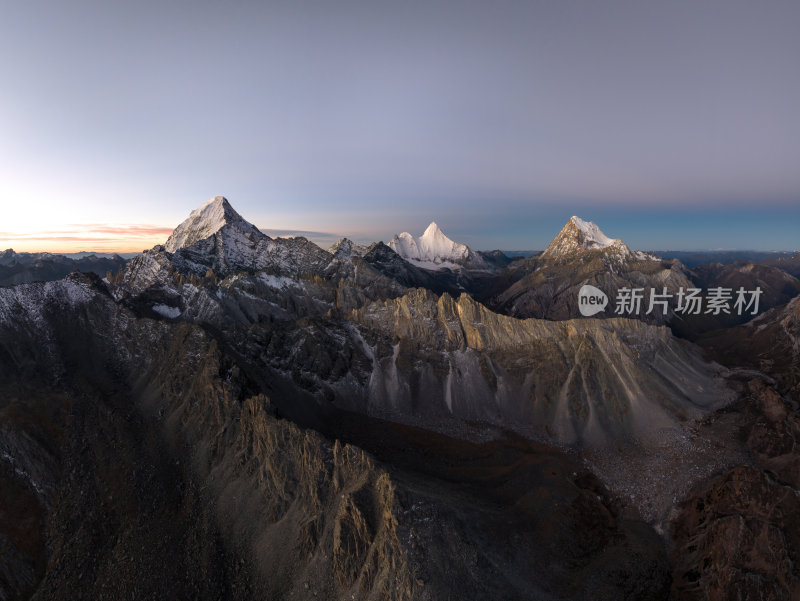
x: 434, y: 250
x: 206, y: 221
x: 216, y: 237
x: 591, y: 235
x: 579, y: 235
x: 433, y: 231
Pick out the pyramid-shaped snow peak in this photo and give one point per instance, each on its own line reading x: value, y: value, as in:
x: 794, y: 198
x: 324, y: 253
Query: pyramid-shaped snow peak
x: 579, y: 235
x: 206, y: 221
x: 434, y: 250
x: 433, y: 231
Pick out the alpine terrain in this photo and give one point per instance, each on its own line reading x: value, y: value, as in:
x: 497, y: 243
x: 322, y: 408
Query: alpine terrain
x: 234, y: 416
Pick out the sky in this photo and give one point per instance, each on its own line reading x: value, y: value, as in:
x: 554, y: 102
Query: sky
x: 673, y: 125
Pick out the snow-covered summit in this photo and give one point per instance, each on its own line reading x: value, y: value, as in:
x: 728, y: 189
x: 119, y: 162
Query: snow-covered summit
x: 216, y: 237
x: 433, y: 250
x: 591, y: 236
x: 578, y: 236
x: 206, y: 221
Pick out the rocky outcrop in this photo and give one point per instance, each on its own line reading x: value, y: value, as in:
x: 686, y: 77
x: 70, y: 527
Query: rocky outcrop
x: 774, y: 435
x: 737, y: 536
x: 738, y: 539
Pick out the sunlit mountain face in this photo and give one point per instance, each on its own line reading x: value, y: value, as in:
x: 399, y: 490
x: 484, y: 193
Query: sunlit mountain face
x: 235, y: 415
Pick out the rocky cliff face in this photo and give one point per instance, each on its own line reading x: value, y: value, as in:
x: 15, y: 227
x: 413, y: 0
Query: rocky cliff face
x: 580, y: 381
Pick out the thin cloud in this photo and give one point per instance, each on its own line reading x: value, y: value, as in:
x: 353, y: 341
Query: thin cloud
x: 132, y: 229
x: 94, y: 231
x: 44, y: 237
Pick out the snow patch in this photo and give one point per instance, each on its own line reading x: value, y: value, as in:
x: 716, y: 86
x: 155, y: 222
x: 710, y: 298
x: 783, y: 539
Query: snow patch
x: 431, y: 266
x: 592, y: 236
x: 275, y: 281
x: 167, y: 311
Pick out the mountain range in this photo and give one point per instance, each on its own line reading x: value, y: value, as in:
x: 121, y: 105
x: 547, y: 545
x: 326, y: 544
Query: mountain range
x: 231, y: 415
x: 21, y: 268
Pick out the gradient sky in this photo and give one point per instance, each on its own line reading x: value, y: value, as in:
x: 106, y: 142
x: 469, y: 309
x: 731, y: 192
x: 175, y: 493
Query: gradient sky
x: 670, y: 124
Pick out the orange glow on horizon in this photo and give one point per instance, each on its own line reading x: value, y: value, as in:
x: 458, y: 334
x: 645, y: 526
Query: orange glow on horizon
x: 93, y: 237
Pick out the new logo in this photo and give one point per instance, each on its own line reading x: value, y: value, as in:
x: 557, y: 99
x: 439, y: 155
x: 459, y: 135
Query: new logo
x: 591, y: 300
